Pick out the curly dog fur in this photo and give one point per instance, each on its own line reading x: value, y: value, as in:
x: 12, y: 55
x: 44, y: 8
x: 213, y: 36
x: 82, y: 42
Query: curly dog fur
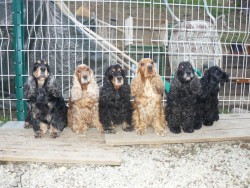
x: 114, y: 102
x: 211, y: 81
x: 46, y: 107
x: 83, y: 102
x: 147, y: 88
x: 182, y: 111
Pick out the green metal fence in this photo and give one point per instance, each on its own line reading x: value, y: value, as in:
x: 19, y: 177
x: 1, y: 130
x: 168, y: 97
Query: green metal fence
x: 19, y: 59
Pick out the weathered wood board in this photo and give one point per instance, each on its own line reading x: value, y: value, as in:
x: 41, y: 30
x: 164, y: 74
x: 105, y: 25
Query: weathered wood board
x: 229, y: 127
x: 19, y: 144
x: 234, y: 116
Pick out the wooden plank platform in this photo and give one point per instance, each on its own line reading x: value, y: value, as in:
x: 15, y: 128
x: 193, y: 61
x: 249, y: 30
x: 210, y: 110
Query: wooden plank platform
x: 234, y: 116
x: 229, y: 127
x: 19, y: 144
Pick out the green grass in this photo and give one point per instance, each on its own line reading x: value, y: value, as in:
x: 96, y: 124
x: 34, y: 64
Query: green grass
x: 223, y: 111
x: 4, y: 119
x: 235, y: 37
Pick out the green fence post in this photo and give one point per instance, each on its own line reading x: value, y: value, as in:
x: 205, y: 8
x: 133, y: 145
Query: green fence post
x: 19, y: 60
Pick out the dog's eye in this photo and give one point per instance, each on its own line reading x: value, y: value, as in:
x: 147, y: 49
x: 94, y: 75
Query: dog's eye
x: 190, y: 66
x: 152, y: 62
x: 87, y: 69
x: 142, y: 64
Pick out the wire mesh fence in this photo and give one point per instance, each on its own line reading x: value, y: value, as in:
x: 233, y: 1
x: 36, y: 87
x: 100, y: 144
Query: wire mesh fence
x: 99, y: 33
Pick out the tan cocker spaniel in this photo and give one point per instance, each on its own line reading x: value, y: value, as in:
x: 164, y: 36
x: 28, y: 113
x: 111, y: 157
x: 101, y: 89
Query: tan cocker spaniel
x: 147, y: 88
x: 83, y: 102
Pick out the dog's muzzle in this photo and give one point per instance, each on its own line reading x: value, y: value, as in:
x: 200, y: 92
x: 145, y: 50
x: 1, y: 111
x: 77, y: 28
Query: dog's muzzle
x: 150, y: 68
x: 42, y: 75
x: 85, y: 79
x: 188, y: 75
x: 119, y: 79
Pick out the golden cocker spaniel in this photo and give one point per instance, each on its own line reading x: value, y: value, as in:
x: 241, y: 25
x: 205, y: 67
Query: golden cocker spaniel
x: 83, y: 102
x: 147, y: 88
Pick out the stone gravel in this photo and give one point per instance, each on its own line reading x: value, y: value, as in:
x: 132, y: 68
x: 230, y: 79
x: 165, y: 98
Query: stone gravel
x: 221, y: 164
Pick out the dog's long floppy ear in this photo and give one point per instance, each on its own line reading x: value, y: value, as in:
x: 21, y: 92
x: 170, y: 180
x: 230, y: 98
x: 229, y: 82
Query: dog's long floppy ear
x: 178, y: 72
x: 76, y: 90
x: 30, y: 87
x: 107, y: 74
x: 225, y: 77
x: 53, y: 87
x: 124, y: 73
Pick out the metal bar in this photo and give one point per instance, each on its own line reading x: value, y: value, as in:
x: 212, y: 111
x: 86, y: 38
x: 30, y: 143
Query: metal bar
x: 19, y: 60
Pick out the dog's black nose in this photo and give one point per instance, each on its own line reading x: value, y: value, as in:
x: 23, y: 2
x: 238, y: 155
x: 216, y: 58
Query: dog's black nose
x: 150, y: 67
x: 188, y: 72
x: 43, y: 69
x: 119, y: 78
x: 85, y: 77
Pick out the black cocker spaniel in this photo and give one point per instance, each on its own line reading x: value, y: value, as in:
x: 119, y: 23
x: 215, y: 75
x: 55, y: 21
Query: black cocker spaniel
x: 211, y: 82
x: 181, y: 109
x: 115, y: 107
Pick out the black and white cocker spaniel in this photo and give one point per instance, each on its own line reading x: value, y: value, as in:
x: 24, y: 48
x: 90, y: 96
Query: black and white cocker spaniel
x: 46, y: 106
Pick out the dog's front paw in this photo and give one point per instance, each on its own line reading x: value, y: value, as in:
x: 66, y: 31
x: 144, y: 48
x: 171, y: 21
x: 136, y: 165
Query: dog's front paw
x: 109, y: 131
x: 208, y: 123
x: 100, y: 129
x: 188, y: 130
x: 197, y: 126
x: 175, y: 130
x: 79, y: 132
x: 141, y: 131
x: 27, y: 125
x: 161, y: 132
x: 38, y: 134
x: 54, y: 134
x: 127, y: 128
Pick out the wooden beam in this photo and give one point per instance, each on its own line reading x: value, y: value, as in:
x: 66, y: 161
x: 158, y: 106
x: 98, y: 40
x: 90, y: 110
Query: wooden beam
x: 19, y: 144
x: 223, y: 130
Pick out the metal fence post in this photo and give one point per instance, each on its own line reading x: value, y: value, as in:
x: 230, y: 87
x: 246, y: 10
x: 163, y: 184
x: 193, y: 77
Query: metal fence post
x: 19, y: 60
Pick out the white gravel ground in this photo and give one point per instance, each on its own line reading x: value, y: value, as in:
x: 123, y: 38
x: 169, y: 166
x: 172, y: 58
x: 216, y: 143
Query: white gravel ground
x: 222, y: 164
